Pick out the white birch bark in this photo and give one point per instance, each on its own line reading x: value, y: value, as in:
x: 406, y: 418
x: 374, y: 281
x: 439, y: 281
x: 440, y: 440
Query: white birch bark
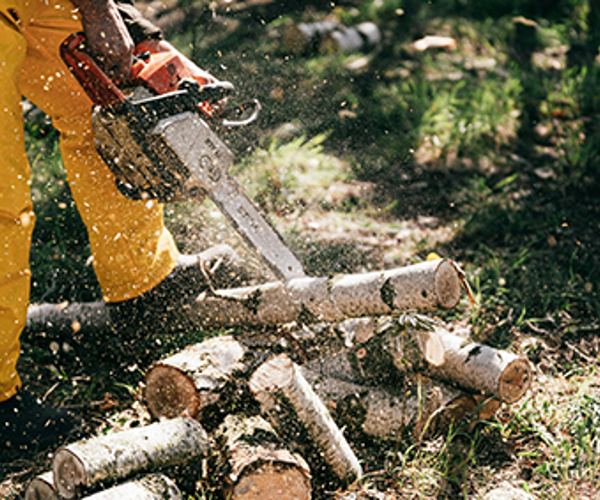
x: 149, y: 487
x: 184, y: 383
x: 439, y: 354
x: 257, y: 464
x: 422, y: 287
x: 85, y: 463
x: 423, y: 404
x: 482, y: 369
x: 287, y: 399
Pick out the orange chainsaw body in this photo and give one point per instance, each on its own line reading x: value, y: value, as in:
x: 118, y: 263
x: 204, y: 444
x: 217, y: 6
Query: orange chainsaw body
x: 160, y: 72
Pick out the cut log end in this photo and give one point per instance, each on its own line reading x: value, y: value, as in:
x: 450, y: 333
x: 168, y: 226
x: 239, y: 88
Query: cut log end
x: 447, y: 284
x: 432, y: 348
x: 257, y: 464
x: 515, y: 380
x: 170, y: 393
x: 41, y: 488
x: 278, y: 372
x: 488, y: 407
x: 69, y: 474
x: 273, y: 481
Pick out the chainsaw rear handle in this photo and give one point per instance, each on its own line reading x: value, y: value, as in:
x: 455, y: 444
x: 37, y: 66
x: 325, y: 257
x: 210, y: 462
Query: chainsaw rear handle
x: 97, y: 85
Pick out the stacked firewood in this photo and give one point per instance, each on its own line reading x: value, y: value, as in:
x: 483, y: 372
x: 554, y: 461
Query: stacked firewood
x: 266, y: 411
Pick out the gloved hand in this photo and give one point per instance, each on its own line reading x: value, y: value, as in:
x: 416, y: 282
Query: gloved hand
x: 109, y: 42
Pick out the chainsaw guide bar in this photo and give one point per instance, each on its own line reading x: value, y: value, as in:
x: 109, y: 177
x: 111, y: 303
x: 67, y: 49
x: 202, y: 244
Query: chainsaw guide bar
x: 161, y: 146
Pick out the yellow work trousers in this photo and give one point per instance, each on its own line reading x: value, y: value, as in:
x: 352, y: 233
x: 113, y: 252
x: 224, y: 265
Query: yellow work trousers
x: 132, y: 250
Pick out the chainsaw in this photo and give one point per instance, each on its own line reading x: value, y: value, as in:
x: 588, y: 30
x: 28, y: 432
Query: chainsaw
x: 153, y: 131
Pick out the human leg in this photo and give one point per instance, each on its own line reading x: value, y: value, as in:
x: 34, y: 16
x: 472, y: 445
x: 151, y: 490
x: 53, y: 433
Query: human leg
x: 132, y: 249
x: 24, y: 421
x: 135, y: 257
x: 16, y: 210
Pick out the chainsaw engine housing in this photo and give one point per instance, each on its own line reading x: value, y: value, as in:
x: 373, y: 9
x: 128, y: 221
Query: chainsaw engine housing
x: 144, y: 166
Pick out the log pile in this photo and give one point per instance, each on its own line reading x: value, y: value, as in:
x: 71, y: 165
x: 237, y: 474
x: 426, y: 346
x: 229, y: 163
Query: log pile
x: 265, y: 414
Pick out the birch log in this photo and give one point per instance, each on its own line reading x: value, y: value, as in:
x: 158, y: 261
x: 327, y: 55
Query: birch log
x: 300, y: 417
x: 305, y: 36
x: 482, y: 369
x: 439, y: 354
x: 85, y: 318
x: 422, y: 287
x: 391, y: 349
x: 149, y: 487
x: 258, y: 464
x: 85, y: 463
x: 423, y: 405
x: 364, y: 36
x: 41, y: 488
x: 189, y: 380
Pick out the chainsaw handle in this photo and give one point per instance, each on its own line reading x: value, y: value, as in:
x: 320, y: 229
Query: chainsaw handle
x: 99, y: 87
x: 245, y: 114
x: 210, y: 92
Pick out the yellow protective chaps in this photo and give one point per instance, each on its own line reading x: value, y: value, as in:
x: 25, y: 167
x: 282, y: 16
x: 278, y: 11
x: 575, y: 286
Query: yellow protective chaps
x: 132, y: 250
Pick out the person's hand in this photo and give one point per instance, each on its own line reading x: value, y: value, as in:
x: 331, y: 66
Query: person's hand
x: 108, y: 40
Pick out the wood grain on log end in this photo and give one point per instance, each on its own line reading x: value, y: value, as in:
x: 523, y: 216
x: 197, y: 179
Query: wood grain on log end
x: 278, y: 372
x: 431, y: 346
x: 186, y: 382
x: 170, y: 393
x: 515, y: 380
x: 257, y: 464
x: 447, y: 284
x: 41, y: 488
x: 488, y: 407
x: 272, y: 481
x: 70, y: 476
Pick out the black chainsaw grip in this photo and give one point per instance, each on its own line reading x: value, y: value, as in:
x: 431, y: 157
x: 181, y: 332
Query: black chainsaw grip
x: 211, y: 92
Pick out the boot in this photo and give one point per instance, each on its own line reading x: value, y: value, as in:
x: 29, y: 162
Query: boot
x: 164, y: 307
x: 27, y: 425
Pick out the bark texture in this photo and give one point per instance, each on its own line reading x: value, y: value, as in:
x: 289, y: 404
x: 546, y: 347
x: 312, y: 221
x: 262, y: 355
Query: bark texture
x: 482, y: 369
x: 150, y: 487
x: 300, y: 417
x: 390, y: 356
x: 422, y: 406
x: 422, y: 287
x: 79, y: 465
x: 256, y: 464
x: 184, y: 383
x: 395, y: 349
